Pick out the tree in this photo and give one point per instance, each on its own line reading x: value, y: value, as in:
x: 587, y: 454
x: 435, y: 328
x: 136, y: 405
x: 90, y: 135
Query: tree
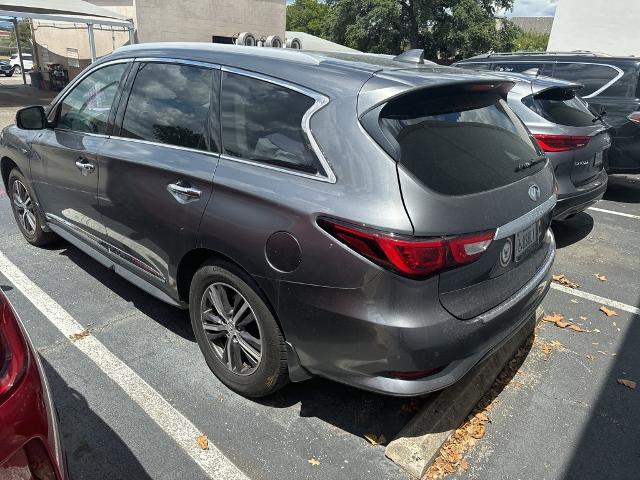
x: 532, y: 41
x: 24, y: 33
x: 308, y: 16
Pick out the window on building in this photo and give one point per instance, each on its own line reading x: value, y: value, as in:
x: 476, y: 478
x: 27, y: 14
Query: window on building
x: 262, y: 121
x: 169, y: 103
x: 86, y: 108
x: 593, y: 77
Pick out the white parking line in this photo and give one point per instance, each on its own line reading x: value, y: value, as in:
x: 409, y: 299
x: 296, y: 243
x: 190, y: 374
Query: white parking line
x: 596, y: 298
x: 174, y: 424
x: 628, y: 215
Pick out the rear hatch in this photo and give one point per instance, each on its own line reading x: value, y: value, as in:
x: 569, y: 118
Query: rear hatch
x: 467, y: 164
x: 573, y: 137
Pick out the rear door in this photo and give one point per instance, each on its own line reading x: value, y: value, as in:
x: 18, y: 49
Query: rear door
x: 156, y: 170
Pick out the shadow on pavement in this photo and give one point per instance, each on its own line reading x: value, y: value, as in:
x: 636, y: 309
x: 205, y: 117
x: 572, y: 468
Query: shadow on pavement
x: 92, y: 447
x: 623, y: 188
x: 573, y: 230
x: 610, y: 443
x: 13, y: 95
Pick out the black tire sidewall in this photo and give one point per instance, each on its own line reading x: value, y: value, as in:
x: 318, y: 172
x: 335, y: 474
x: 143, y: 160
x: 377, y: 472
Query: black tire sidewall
x: 271, y: 374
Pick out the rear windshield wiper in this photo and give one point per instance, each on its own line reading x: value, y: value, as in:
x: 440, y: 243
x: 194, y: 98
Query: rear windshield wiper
x: 599, y: 117
x: 531, y: 163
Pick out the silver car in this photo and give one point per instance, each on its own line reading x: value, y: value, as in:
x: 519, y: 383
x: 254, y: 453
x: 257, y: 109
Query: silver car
x: 575, y: 140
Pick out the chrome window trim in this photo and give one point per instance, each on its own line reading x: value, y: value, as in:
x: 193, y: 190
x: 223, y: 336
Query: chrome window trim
x: 320, y: 102
x: 527, y: 219
x: 180, y: 61
x: 555, y: 62
x: 169, y: 145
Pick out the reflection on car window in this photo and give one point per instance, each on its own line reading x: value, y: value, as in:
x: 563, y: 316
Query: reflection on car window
x: 262, y: 121
x: 86, y: 108
x: 169, y: 103
x: 593, y: 77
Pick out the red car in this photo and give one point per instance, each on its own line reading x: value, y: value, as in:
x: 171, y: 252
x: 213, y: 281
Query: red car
x: 30, y: 446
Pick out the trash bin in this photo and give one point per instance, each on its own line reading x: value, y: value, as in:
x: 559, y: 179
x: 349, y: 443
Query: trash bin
x: 36, y: 79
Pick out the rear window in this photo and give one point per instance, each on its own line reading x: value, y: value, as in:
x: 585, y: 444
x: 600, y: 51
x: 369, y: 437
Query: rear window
x: 560, y: 106
x: 459, y: 142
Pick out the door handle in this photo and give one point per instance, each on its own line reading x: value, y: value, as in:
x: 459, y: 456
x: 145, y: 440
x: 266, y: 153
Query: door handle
x: 184, y: 192
x: 84, y: 166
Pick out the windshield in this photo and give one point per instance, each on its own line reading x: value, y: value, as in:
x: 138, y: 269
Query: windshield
x: 459, y: 143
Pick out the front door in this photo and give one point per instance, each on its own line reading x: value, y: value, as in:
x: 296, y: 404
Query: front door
x: 64, y: 165
x: 156, y: 171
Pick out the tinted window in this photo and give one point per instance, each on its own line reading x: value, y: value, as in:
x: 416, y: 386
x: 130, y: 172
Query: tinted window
x: 593, y: 77
x: 474, y: 66
x: 626, y: 86
x: 169, y: 103
x: 86, y: 108
x: 533, y: 68
x: 262, y: 121
x: 560, y: 106
x: 459, y: 143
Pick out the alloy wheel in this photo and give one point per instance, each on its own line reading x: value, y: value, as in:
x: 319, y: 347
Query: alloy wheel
x: 24, y: 207
x: 17, y: 69
x: 231, y: 327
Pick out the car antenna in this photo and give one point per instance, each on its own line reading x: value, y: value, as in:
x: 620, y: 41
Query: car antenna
x: 411, y: 56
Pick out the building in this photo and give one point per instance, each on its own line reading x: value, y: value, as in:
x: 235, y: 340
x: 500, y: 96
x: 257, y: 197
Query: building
x: 605, y: 26
x: 540, y: 25
x: 311, y: 42
x: 157, y: 20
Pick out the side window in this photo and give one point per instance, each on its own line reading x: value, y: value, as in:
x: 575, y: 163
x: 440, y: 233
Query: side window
x: 86, y: 108
x: 169, y: 103
x: 593, y: 77
x: 475, y: 66
x: 626, y: 86
x: 262, y: 121
x: 527, y: 68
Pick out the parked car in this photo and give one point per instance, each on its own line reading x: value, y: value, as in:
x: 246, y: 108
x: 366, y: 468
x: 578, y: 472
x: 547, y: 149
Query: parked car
x: 380, y: 223
x: 6, y: 69
x: 574, y: 139
x: 27, y: 61
x: 30, y: 442
x: 610, y: 85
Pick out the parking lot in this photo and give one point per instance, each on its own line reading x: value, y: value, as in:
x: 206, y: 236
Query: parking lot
x: 133, y: 402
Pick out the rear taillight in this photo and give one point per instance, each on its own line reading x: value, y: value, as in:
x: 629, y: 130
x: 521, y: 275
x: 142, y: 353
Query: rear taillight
x: 634, y: 117
x: 13, y: 350
x: 411, y: 257
x: 561, y: 143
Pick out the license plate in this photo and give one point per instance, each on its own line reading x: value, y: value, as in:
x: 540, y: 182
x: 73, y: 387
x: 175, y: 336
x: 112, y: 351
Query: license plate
x: 597, y: 161
x: 525, y: 241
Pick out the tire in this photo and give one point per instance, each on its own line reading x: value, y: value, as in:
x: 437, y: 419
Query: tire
x: 238, y: 371
x: 10, y: 74
x: 25, y: 210
x: 17, y: 69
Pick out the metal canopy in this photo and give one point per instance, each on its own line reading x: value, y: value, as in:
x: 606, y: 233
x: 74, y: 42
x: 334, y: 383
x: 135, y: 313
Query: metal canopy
x: 75, y: 11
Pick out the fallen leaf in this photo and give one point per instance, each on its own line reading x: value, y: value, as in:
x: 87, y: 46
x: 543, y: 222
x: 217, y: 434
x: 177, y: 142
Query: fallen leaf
x: 314, y: 461
x: 203, y: 442
x: 375, y: 439
x: 590, y: 357
x: 602, y: 278
x: 562, y: 280
x: 79, y: 336
x: 576, y: 328
x: 595, y: 330
x: 583, y: 317
x: 554, y: 317
x: 627, y: 383
x: 557, y: 319
x: 482, y: 417
x: 608, y: 312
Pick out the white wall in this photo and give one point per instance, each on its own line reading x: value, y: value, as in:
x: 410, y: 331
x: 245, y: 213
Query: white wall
x: 608, y: 26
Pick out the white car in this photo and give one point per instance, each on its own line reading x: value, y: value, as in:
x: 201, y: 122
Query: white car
x: 27, y: 61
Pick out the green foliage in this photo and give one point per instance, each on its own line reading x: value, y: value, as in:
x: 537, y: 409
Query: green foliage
x: 24, y: 32
x: 532, y: 41
x: 308, y: 16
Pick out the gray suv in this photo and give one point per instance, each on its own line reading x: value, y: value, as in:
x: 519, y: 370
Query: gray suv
x: 376, y: 222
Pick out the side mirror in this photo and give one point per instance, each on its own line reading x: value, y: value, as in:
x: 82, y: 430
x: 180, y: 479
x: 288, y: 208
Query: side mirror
x: 31, y: 118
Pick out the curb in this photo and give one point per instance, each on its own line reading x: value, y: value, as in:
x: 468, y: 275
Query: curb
x: 419, y: 442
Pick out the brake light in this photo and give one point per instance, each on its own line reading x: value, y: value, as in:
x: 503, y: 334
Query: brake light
x: 13, y: 350
x: 634, y: 117
x: 410, y: 257
x: 561, y: 143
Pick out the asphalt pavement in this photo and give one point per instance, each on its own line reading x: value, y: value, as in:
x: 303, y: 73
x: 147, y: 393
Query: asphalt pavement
x: 563, y: 416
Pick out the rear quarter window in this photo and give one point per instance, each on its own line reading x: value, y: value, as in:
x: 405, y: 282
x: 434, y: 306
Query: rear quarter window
x: 560, y: 106
x: 459, y: 143
x: 592, y: 76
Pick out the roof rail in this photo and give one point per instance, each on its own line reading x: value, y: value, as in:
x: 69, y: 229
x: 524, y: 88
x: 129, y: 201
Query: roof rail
x: 528, y: 52
x: 411, y: 56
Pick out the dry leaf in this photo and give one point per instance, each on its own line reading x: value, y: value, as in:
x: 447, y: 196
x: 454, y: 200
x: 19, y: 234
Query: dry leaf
x: 203, y: 442
x: 602, y: 278
x: 557, y: 319
x: 590, y: 357
x: 576, y: 328
x: 79, y: 336
x: 582, y: 317
x: 562, y: 280
x: 627, y: 383
x: 595, y: 330
x: 608, y: 312
x: 554, y: 317
x: 314, y: 461
x: 375, y: 439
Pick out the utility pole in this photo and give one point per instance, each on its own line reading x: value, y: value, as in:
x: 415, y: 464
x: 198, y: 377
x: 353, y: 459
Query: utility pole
x: 15, y: 27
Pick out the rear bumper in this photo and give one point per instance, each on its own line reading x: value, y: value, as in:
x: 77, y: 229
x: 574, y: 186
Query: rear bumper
x: 360, y: 337
x: 581, y: 198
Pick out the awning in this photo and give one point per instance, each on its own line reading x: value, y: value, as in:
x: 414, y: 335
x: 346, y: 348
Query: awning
x: 31, y: 8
